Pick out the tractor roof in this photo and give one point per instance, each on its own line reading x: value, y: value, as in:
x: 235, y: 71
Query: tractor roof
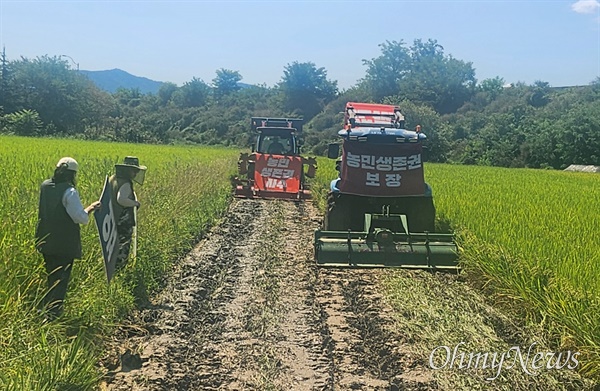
x: 291, y: 124
x: 371, y: 115
x: 273, y: 131
x: 382, y: 135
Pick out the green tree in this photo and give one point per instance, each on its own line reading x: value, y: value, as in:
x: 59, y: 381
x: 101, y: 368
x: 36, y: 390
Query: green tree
x: 226, y: 82
x: 7, y: 96
x: 539, y: 95
x: 579, y: 135
x: 165, y: 93
x: 64, y: 99
x: 194, y: 93
x: 306, y: 89
x: 432, y: 125
x: 437, y: 79
x: 385, y: 72
x: 131, y: 97
x: 23, y: 123
x: 485, y: 92
x: 493, y: 86
x: 421, y: 73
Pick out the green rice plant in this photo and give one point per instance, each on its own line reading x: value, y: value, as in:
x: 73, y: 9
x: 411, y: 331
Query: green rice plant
x: 531, y: 236
x: 185, y: 191
x: 529, y: 239
x: 320, y: 184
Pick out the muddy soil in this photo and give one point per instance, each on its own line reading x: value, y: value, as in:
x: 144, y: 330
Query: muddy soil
x: 249, y: 310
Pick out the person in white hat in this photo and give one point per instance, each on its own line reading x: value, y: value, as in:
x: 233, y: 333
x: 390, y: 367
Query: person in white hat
x: 57, y: 233
x: 124, y: 201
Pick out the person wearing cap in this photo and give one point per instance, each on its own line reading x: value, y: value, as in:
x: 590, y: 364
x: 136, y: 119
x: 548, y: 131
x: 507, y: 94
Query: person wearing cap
x: 124, y: 201
x: 57, y: 233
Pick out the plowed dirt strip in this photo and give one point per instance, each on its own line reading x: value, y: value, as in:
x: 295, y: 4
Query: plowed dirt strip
x: 249, y: 310
x: 366, y: 352
x: 187, y: 324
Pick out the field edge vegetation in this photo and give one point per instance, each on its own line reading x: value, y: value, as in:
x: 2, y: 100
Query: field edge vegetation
x: 187, y: 189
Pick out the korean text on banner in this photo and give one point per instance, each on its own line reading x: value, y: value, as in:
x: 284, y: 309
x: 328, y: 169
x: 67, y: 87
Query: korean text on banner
x: 382, y: 170
x: 278, y: 173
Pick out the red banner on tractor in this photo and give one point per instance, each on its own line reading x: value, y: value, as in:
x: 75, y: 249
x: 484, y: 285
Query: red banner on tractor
x: 382, y: 170
x: 277, y: 173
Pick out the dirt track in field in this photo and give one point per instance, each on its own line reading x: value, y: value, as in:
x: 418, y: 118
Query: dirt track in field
x: 248, y: 309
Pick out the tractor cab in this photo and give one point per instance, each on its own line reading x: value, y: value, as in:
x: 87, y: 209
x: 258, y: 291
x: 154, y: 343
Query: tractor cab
x: 275, y: 168
x: 277, y: 136
x: 277, y: 141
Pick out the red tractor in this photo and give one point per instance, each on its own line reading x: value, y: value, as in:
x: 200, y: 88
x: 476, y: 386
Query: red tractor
x: 275, y: 168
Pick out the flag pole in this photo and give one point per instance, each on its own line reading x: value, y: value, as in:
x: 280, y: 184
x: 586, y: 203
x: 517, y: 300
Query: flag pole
x: 134, y: 235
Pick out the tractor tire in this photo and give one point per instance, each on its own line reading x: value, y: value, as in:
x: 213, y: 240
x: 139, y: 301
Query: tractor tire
x: 421, y: 214
x: 250, y: 173
x: 337, y: 216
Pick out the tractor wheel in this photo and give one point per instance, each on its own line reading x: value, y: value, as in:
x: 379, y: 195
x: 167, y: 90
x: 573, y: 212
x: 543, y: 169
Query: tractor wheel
x: 337, y: 215
x: 421, y: 214
x: 251, y: 170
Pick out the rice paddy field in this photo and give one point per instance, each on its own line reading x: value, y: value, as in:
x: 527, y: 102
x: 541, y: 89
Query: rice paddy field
x: 529, y: 240
x: 533, y: 237
x: 186, y: 189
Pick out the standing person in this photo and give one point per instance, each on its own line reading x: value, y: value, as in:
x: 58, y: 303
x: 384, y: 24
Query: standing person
x: 57, y: 234
x: 124, y: 202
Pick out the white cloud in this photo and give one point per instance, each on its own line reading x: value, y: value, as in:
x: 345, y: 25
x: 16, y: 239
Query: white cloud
x: 586, y: 6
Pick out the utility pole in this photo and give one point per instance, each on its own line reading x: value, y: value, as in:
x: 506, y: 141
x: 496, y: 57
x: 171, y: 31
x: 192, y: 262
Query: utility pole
x: 73, y: 61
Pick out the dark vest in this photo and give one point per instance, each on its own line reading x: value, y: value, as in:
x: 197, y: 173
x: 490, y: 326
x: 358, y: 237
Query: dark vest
x: 56, y: 233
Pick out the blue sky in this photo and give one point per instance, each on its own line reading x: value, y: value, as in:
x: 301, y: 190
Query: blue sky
x: 553, y: 41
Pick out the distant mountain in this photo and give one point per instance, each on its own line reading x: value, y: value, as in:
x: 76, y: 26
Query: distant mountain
x: 114, y: 79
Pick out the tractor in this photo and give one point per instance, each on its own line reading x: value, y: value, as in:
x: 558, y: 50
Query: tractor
x: 275, y: 169
x: 380, y: 210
